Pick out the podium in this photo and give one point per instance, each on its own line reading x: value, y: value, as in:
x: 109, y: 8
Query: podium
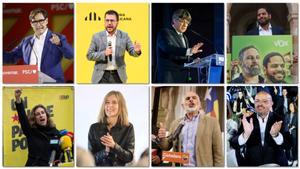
x: 209, y: 68
x: 25, y: 74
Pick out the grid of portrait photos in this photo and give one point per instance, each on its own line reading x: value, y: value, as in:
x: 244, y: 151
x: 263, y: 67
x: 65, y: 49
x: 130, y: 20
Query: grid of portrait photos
x: 149, y: 84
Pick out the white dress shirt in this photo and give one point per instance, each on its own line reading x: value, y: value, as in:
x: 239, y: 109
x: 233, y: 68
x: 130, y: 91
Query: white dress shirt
x: 262, y: 125
x: 37, y: 50
x: 111, y: 65
x: 264, y: 32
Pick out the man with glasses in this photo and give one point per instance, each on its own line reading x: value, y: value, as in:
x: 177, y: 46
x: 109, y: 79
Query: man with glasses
x: 44, y: 49
x: 173, y: 50
x: 108, y: 48
x: 261, y: 137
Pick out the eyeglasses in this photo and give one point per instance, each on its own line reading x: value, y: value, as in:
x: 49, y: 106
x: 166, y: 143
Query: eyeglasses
x: 41, y: 21
x: 110, y: 20
x: 265, y: 101
x: 184, y: 21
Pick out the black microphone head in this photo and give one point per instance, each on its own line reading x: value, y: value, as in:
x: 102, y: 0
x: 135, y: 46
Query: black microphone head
x: 109, y: 43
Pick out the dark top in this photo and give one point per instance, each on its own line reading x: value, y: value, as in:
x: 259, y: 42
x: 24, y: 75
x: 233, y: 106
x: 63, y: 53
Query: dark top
x: 124, y: 148
x: 38, y: 139
x: 276, y: 30
x: 171, y: 56
x: 241, y: 79
x: 255, y: 153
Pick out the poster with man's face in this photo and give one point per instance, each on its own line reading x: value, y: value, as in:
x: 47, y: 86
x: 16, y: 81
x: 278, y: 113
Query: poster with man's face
x: 269, y: 57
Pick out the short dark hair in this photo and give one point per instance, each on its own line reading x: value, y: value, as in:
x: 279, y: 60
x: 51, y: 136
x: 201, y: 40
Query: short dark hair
x: 263, y: 7
x: 36, y: 11
x: 269, y: 56
x: 182, y: 14
x: 242, y: 51
x: 112, y: 12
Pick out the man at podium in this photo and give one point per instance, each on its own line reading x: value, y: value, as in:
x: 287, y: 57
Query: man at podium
x: 44, y: 49
x: 173, y: 49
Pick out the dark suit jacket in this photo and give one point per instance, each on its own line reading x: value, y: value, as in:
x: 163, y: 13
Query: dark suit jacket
x: 276, y: 30
x: 51, y: 56
x: 171, y: 57
x: 255, y: 154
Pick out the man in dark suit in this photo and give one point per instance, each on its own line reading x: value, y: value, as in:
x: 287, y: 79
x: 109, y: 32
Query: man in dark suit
x: 261, y: 136
x: 44, y: 49
x: 264, y: 27
x: 173, y: 49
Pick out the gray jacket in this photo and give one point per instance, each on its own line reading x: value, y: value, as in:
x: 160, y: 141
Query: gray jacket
x: 96, y: 53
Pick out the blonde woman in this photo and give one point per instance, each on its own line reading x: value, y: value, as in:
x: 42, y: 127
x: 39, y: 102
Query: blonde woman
x: 111, y: 139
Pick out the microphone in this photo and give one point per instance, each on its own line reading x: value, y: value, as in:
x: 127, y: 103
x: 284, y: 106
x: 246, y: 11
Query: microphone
x: 109, y: 45
x: 66, y: 145
x: 54, y: 144
x: 176, y: 133
x: 207, y: 40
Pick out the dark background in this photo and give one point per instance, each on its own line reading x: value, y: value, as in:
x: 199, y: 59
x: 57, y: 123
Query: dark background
x: 207, y: 20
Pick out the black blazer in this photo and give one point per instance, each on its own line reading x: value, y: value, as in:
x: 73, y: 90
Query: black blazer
x: 276, y: 30
x: 257, y: 154
x: 171, y: 56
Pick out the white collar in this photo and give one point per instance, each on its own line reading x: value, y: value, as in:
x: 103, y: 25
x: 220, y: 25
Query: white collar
x: 261, y: 29
x: 179, y: 33
x: 115, y: 34
x: 42, y: 36
x: 263, y: 120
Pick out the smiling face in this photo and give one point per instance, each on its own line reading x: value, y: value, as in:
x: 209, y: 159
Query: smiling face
x: 39, y: 24
x: 191, y: 102
x: 263, y: 17
x: 111, y: 106
x: 263, y: 103
x: 275, y: 70
x: 40, y: 116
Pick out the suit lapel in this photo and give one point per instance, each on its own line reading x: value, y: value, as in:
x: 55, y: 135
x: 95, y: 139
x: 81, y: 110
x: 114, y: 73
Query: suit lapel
x: 201, y: 126
x: 117, y: 44
x: 47, y: 45
x: 256, y: 129
x: 28, y: 50
x: 177, y: 38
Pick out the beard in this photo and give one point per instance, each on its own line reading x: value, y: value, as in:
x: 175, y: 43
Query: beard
x: 263, y: 22
x: 275, y: 80
x: 191, y: 109
x: 252, y: 71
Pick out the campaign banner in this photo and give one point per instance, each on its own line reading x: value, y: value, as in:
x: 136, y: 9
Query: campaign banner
x: 59, y: 102
x: 133, y: 19
x: 175, y: 157
x: 282, y: 44
x: 16, y: 26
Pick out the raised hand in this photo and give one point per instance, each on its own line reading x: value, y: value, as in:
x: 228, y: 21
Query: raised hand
x: 18, y: 93
x: 196, y: 48
x: 137, y: 47
x: 161, y: 131
x: 248, y: 127
x: 55, y: 39
x: 275, y: 129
